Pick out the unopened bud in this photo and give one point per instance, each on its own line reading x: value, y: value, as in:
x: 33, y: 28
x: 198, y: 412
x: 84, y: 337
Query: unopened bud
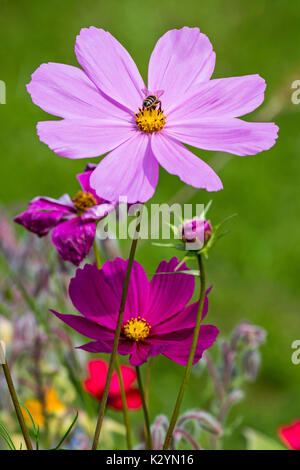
x: 196, y: 232
x: 251, y: 364
x: 6, y: 330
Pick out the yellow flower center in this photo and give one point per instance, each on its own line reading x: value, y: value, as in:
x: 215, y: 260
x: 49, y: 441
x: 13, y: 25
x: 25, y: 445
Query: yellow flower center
x: 83, y: 201
x: 150, y: 120
x: 136, y: 329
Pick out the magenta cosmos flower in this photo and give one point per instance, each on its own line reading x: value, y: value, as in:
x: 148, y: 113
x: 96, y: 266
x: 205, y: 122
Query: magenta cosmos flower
x: 73, y: 221
x: 290, y: 435
x: 156, y: 321
x: 106, y: 107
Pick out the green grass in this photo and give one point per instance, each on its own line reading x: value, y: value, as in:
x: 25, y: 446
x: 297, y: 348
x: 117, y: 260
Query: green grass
x: 255, y: 270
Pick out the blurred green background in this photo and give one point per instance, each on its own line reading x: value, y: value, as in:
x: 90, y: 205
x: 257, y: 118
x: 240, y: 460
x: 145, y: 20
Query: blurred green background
x: 255, y: 270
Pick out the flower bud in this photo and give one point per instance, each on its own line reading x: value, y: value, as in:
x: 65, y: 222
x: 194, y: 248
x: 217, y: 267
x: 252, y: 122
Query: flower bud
x: 196, y: 233
x: 251, y: 364
x: 6, y: 330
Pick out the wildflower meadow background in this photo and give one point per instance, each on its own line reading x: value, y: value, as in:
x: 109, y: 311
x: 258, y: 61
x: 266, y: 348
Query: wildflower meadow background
x: 255, y: 268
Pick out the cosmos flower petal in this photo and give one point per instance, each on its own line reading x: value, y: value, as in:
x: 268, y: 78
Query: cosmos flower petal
x: 290, y: 435
x: 179, y: 352
x: 109, y: 66
x: 97, y: 347
x: 67, y: 92
x: 138, y: 291
x: 169, y: 293
x: 230, y: 135
x: 180, y: 59
x: 221, y: 98
x: 187, y: 317
x: 133, y: 399
x: 141, y: 353
x: 73, y: 138
x: 130, y: 170
x: 129, y: 377
x: 85, y: 326
x: 73, y: 239
x: 178, y: 160
x: 98, y: 212
x: 93, y: 296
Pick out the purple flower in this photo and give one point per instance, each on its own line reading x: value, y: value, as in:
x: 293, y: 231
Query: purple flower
x: 73, y: 221
x: 106, y: 108
x: 197, y: 231
x: 156, y: 321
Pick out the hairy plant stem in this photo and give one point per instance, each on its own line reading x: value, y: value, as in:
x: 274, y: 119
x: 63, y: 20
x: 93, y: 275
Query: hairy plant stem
x: 117, y: 335
x: 17, y: 406
x: 190, y: 359
x: 124, y: 403
x: 118, y: 369
x: 145, y: 410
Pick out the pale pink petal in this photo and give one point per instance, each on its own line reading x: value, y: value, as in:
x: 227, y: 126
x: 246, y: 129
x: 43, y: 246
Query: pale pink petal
x: 230, y: 135
x: 110, y: 67
x: 130, y: 170
x: 84, y: 139
x: 225, y: 97
x: 178, y: 160
x: 179, y: 60
x: 66, y: 91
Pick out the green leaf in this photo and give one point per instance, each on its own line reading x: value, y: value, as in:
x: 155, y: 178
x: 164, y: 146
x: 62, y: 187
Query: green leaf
x: 67, y: 432
x: 258, y: 441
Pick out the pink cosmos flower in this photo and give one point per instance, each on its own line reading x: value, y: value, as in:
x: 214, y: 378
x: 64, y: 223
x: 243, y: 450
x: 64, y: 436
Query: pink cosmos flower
x: 290, y: 435
x: 104, y: 109
x: 95, y: 384
x: 156, y: 321
x: 73, y: 221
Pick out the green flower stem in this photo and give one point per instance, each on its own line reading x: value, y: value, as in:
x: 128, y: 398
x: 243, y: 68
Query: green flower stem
x: 117, y: 365
x: 124, y: 402
x: 191, y: 356
x: 97, y: 254
x: 145, y: 410
x: 117, y: 335
x: 17, y: 406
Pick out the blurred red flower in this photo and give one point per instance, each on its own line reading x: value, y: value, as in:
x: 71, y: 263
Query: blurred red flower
x: 95, y: 384
x: 290, y: 435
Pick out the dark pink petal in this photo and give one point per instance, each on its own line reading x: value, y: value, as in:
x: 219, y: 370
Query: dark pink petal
x: 187, y: 317
x: 221, y: 98
x: 97, y: 347
x: 130, y: 170
x: 290, y: 435
x: 169, y: 293
x: 109, y: 66
x: 93, y: 296
x: 67, y: 92
x: 142, y: 351
x: 45, y: 213
x: 180, y: 59
x: 230, y: 135
x: 84, y: 180
x: 96, y: 382
x: 178, y: 160
x: 180, y: 352
x: 86, y: 327
x: 73, y: 239
x: 138, y: 292
x: 74, y: 138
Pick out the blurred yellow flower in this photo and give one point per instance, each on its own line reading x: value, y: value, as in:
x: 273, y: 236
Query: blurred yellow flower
x: 35, y: 408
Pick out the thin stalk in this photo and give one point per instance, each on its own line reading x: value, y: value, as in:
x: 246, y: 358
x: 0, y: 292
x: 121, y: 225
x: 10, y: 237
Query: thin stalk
x: 124, y: 403
x: 117, y: 336
x: 145, y: 410
x: 97, y: 254
x: 191, y: 357
x: 148, y: 380
x: 118, y: 369
x: 17, y: 406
